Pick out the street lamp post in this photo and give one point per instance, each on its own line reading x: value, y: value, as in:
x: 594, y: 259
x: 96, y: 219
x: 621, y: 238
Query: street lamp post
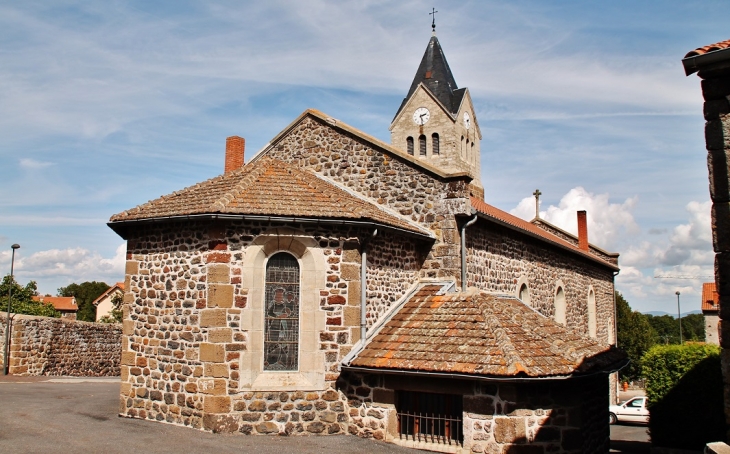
x: 6, y: 366
x: 679, y: 316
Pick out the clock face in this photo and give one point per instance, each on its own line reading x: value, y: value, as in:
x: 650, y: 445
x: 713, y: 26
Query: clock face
x: 467, y: 120
x: 421, y: 116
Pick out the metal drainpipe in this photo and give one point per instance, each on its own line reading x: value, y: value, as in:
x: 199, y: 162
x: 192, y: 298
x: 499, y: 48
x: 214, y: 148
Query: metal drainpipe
x: 463, y: 251
x: 363, y: 285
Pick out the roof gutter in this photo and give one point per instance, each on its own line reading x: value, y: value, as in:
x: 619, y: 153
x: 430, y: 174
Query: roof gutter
x: 544, y: 239
x: 118, y: 226
x: 696, y: 62
x: 415, y: 373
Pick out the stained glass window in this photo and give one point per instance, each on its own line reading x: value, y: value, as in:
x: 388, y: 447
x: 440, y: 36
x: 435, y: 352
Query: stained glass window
x: 281, y: 319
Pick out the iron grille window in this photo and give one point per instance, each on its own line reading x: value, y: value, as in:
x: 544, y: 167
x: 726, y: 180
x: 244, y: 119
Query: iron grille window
x: 422, y: 145
x: 430, y: 417
x: 435, y: 143
x: 409, y: 143
x: 281, y: 320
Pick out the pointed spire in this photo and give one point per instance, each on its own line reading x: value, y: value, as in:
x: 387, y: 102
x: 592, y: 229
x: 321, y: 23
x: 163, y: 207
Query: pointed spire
x: 435, y: 74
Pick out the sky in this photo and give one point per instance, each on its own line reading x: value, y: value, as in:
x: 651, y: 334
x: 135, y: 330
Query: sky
x: 108, y: 104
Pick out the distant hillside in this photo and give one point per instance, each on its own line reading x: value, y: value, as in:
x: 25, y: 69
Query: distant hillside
x: 660, y: 313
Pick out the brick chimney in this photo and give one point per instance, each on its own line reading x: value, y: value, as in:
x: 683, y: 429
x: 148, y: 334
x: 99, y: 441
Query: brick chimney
x: 234, y: 153
x: 582, y: 230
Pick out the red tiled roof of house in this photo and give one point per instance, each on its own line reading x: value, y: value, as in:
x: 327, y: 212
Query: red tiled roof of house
x: 118, y: 285
x: 710, y: 297
x: 531, y: 229
x: 60, y: 303
x: 269, y: 187
x: 483, y: 335
x: 709, y: 48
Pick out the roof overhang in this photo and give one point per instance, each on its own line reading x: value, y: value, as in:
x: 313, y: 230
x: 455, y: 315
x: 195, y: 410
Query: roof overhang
x: 121, y: 228
x: 491, y: 378
x: 695, y: 63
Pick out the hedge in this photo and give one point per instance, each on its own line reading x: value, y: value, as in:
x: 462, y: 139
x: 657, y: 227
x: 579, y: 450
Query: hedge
x: 684, y: 388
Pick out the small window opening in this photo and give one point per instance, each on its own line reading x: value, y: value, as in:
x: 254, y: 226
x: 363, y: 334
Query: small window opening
x: 560, y: 315
x: 409, y: 144
x: 430, y: 417
x: 422, y: 145
x: 435, y: 143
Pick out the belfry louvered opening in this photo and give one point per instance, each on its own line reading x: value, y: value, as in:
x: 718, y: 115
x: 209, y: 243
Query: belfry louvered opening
x: 430, y: 417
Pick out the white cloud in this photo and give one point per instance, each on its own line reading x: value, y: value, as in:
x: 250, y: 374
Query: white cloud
x: 33, y: 164
x: 606, y: 221
x: 71, y: 264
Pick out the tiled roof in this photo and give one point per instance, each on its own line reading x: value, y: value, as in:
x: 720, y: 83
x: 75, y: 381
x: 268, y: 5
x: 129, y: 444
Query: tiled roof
x: 269, y: 187
x: 526, y: 227
x: 709, y: 48
x: 710, y: 298
x: 707, y: 57
x: 483, y: 335
x: 60, y: 303
x: 118, y: 285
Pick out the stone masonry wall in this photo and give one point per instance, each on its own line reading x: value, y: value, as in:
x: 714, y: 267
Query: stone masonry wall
x: 716, y: 109
x: 184, y: 334
x: 57, y: 346
x: 558, y: 416
x: 498, y: 257
x: 387, y: 179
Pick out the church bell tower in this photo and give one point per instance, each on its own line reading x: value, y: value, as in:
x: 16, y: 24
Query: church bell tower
x: 436, y: 123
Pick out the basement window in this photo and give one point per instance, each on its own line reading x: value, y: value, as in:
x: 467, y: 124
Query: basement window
x: 430, y: 417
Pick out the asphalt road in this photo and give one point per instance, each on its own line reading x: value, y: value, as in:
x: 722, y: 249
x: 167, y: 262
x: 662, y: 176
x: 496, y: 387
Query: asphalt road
x: 73, y: 416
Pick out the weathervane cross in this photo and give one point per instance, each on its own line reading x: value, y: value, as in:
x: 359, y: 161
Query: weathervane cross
x: 433, y: 21
x: 537, y: 195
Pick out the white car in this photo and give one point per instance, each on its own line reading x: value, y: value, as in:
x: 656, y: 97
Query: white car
x: 633, y: 410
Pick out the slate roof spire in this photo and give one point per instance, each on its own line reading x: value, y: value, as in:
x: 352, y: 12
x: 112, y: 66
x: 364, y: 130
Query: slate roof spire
x: 435, y: 74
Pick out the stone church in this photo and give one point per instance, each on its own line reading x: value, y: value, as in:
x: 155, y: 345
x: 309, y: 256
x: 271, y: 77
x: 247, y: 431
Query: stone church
x: 337, y: 284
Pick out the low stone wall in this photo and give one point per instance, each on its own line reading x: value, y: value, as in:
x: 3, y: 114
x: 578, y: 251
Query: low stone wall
x: 57, y: 346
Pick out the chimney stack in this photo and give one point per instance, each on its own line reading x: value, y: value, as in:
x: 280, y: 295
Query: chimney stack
x: 582, y: 230
x: 235, y: 147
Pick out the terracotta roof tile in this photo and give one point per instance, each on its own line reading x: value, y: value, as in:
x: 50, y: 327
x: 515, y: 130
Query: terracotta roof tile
x: 535, y: 231
x: 269, y: 187
x: 710, y: 297
x: 709, y: 48
x: 60, y: 303
x: 481, y: 334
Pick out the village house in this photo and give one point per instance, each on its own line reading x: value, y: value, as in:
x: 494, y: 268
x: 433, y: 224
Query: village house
x: 338, y: 284
x: 66, y: 305
x: 711, y: 313
x: 104, y: 304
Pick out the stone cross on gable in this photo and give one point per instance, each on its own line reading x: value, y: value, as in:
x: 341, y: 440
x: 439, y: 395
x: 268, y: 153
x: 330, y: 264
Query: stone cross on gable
x: 433, y: 22
x: 537, y: 195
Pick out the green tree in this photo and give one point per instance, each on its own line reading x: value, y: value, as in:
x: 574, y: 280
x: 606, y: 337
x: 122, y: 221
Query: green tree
x: 635, y: 336
x: 666, y: 327
x: 693, y: 327
x: 23, y: 299
x: 116, y: 314
x: 85, y: 294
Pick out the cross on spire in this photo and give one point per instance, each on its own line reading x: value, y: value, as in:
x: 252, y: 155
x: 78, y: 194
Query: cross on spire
x: 433, y: 21
x: 537, y: 195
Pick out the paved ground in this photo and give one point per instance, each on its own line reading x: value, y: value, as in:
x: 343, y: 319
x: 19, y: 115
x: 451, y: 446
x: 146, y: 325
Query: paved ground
x: 42, y: 415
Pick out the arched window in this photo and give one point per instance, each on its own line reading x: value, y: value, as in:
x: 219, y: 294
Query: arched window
x: 560, y: 306
x: 409, y: 144
x: 524, y: 293
x: 281, y: 316
x: 422, y: 145
x: 435, y: 143
x: 592, y: 324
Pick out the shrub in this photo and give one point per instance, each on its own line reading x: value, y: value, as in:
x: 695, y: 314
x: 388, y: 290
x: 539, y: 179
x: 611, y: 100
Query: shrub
x: 684, y: 388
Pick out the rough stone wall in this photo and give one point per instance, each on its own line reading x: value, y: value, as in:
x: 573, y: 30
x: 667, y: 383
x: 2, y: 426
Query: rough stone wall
x: 387, y: 179
x: 184, y: 335
x: 57, y: 346
x: 498, y: 257
x: 392, y: 269
x: 558, y: 416
x: 715, y: 90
